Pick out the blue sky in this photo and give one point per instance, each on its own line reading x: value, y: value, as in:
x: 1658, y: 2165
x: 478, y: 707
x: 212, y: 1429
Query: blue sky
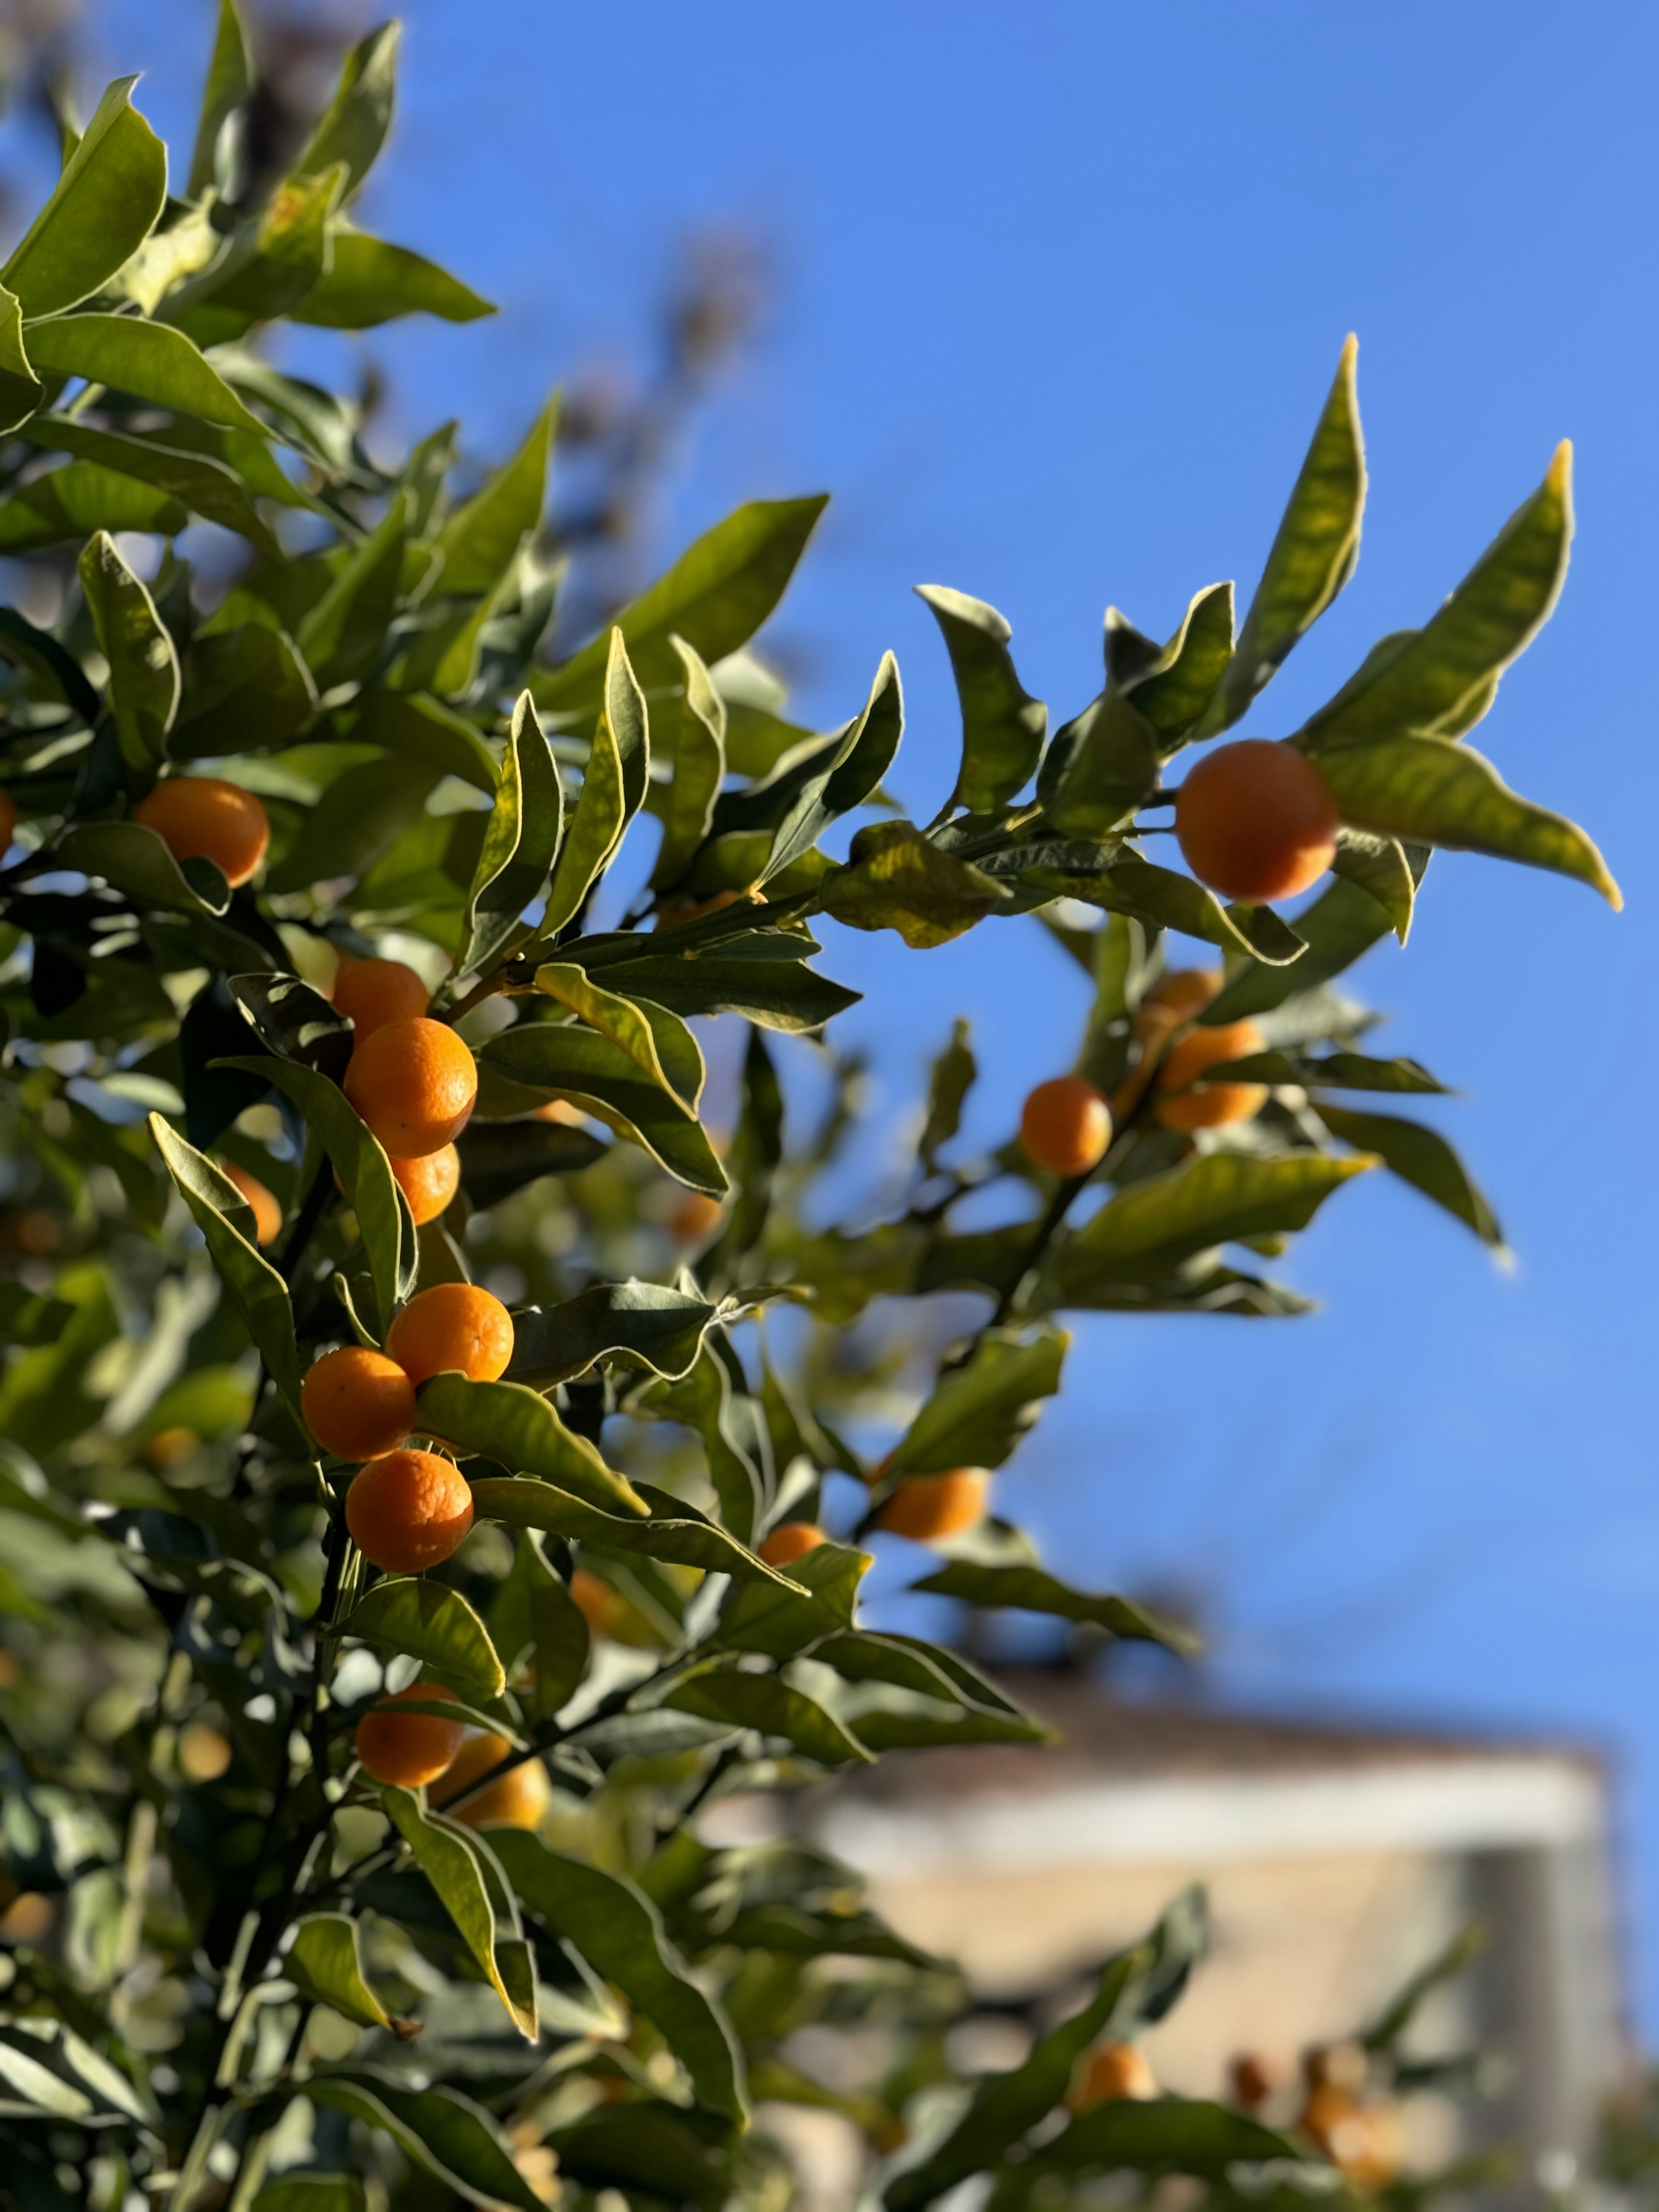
x: 1061, y: 287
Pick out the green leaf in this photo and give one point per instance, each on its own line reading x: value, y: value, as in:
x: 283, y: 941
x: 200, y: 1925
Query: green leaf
x: 699, y: 757
x: 620, y: 1932
x: 1151, y: 1227
x: 480, y: 540
x: 511, y: 1424
x: 264, y: 272
x: 310, y: 2192
x: 1312, y: 557
x: 427, y: 1622
x: 1032, y: 1590
x: 226, y: 1220
x: 1435, y: 793
x: 1100, y: 768
x: 101, y: 209
x: 644, y: 1324
x: 979, y: 1411
x: 229, y: 81
x: 324, y: 1962
x: 356, y: 823
x: 245, y: 691
x: 20, y: 390
x: 439, y: 2130
x: 384, y: 1219
x: 135, y: 861
x: 343, y: 634
x: 372, y: 281
x: 703, y: 1401
x: 414, y: 727
x: 1002, y: 726
x: 1331, y: 1071
x: 1379, y: 865
x: 70, y: 502
x: 675, y: 1533
x: 767, y: 1703
x: 896, y: 879
x: 715, y: 597
x: 522, y: 837
x: 1167, y: 2135
x: 354, y: 124
x: 1343, y: 923
x: 551, y: 1060
x: 1422, y: 1157
x: 845, y: 774
x: 461, y: 1865
x: 595, y: 831
x: 1167, y: 900
x: 772, y: 1618
x: 1438, y: 680
x: 763, y: 977
x: 965, y: 1707
x: 498, y: 1158
x: 659, y: 1044
x: 1448, y: 1964
x: 1172, y: 690
x: 148, y: 360
x: 951, y: 1080
x: 533, y: 1610
x: 201, y: 482
x: 144, y: 679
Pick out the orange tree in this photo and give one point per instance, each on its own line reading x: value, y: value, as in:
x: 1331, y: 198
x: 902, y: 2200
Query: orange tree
x: 373, y: 1637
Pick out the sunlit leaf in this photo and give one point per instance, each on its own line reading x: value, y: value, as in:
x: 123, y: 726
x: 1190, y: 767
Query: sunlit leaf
x: 427, y: 1622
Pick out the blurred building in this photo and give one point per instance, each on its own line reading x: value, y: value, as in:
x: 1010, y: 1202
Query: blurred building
x: 1338, y: 1860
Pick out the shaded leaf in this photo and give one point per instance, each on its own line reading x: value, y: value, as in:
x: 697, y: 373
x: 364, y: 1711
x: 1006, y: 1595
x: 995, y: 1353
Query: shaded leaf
x: 245, y: 691
x: 699, y: 757
x: 71, y: 503
x: 645, y: 1325
x: 1172, y: 690
x: 533, y: 1610
x: 144, y: 679
x: 896, y: 879
x: 1101, y: 767
x: 1379, y: 865
x: 459, y: 1865
x: 1422, y: 1157
x: 763, y: 977
x: 482, y: 537
x: 978, y: 1412
x: 1167, y: 2135
x: 949, y: 1082
x: 704, y: 1401
x: 439, y: 2130
x: 512, y: 1425
x: 1002, y: 726
x: 675, y: 1533
x: 522, y: 835
x: 595, y: 830
x: 843, y: 774
x: 427, y: 1622
x: 134, y: 859
x: 659, y: 1044
x: 498, y: 1158
x: 21, y: 391
x: 1032, y: 1590
x: 550, y: 1060
x: 229, y: 81
x: 1343, y: 923
x: 200, y: 480
x: 1167, y: 900
x: 772, y: 1618
x: 767, y: 1703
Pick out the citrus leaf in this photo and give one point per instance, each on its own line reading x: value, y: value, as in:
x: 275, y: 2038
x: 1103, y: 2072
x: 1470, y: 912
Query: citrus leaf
x: 148, y: 360
x: 511, y: 1424
x: 1343, y: 923
x: 1167, y: 900
x: 199, y: 481
x: 20, y: 390
x: 595, y: 830
x: 371, y: 281
x: 1032, y: 1590
x: 699, y: 757
x: 550, y: 1059
x: 533, y: 1610
x: 703, y: 1401
x: 458, y: 1864
x: 441, y: 2130
x: 845, y: 773
x: 1422, y: 1157
x: 134, y: 859
x: 620, y: 1932
x: 71, y: 503
x: 647, y: 1325
x: 1172, y: 690
x: 978, y: 1412
x: 229, y: 81
x: 1101, y: 767
x: 429, y: 1622
x: 245, y: 691
x: 498, y: 1158
x: 1169, y: 2135
x: 674, y: 1532
x: 411, y: 724
x: 895, y: 878
x: 1379, y: 865
x: 1002, y: 726
x: 101, y: 209
x: 353, y: 127
x: 520, y: 839
x: 772, y: 1618
x: 763, y: 977
x: 344, y: 633
x: 658, y: 1042
x: 144, y: 679
x: 324, y: 1962
x: 767, y: 1703
x: 481, y: 539
x: 311, y: 2193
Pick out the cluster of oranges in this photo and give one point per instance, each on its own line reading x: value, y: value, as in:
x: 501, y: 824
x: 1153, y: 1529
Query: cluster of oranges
x: 414, y: 1750
x: 407, y: 1509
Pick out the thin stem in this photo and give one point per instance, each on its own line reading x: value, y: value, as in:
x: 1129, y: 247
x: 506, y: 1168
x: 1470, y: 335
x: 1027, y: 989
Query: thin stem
x: 1059, y: 1207
x: 314, y: 1205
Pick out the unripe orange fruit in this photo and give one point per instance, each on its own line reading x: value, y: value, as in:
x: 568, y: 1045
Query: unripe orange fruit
x: 267, y: 1214
x: 371, y: 992
x: 408, y: 1748
x: 429, y: 1182
x: 1065, y: 1125
x: 203, y: 818
x: 1115, y: 2073
x: 517, y: 1800
x: 414, y: 1082
x: 409, y: 1510
x: 1256, y: 820
x: 790, y: 1541
x: 7, y: 820
x: 696, y: 1216
x: 1181, y: 994
x: 1216, y: 1103
x: 452, y: 1325
x: 357, y: 1403
x: 929, y: 1507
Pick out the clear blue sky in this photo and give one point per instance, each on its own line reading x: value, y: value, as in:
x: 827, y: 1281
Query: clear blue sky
x: 1062, y: 286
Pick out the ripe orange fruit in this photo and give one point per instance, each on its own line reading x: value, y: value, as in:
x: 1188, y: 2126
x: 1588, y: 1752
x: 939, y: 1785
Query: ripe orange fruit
x: 1363, y: 2141
x: 452, y: 1325
x: 414, y: 1082
x: 1215, y: 1103
x: 1179, y: 994
x: 204, y: 1753
x: 1065, y: 1125
x: 1115, y: 2073
x: 357, y: 1403
x: 599, y: 1606
x: 929, y: 1507
x: 791, y: 1540
x: 409, y: 1510
x: 429, y: 1182
x: 203, y: 818
x: 171, y: 1447
x: 517, y: 1800
x: 1256, y: 820
x: 408, y: 1748
x: 695, y: 1216
x: 267, y: 1214
x: 371, y: 992
x: 7, y: 820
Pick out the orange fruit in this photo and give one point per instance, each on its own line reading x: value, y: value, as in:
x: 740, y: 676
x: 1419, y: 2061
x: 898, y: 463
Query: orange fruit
x: 429, y: 1182
x: 1065, y: 1125
x: 1256, y: 820
x: 1363, y: 2141
x: 414, y: 1082
x: 1115, y: 2073
x: 371, y: 992
x: 452, y: 1325
x: 171, y: 1447
x: 409, y: 1510
x: 599, y: 1606
x: 1181, y: 994
x: 408, y: 1748
x: 929, y: 1507
x: 203, y: 818
x: 7, y: 820
x: 790, y: 1540
x: 695, y: 1217
x: 518, y: 1800
x: 357, y: 1403
x: 267, y: 1214
x: 1215, y: 1103
x: 203, y: 1754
